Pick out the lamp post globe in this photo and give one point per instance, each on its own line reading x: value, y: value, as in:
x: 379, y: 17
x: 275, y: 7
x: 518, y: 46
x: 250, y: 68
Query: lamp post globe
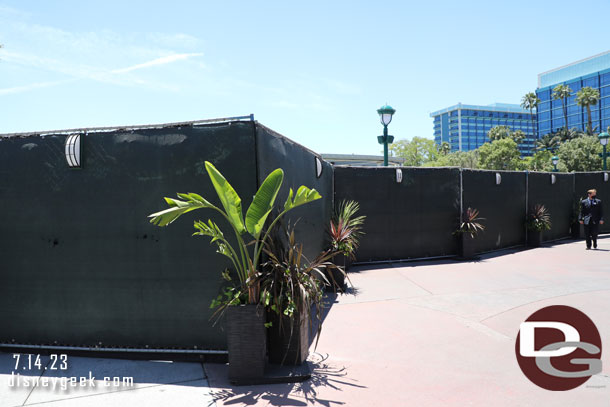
x: 603, y: 139
x: 385, y: 117
x: 385, y: 114
x: 555, y: 161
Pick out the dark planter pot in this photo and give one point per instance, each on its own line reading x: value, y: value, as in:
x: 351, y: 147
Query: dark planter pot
x: 335, y: 277
x: 575, y: 232
x: 342, y: 260
x: 288, y: 340
x: 246, y: 341
x: 534, y: 238
x: 466, y: 246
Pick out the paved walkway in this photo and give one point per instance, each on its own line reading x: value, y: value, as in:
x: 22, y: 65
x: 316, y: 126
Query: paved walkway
x: 416, y: 334
x: 443, y: 334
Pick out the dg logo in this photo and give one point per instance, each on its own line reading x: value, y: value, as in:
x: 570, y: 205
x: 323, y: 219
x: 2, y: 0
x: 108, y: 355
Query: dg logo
x: 559, y: 348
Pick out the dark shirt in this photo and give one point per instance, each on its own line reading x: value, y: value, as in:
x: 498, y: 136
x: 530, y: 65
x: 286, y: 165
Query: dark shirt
x: 591, y: 211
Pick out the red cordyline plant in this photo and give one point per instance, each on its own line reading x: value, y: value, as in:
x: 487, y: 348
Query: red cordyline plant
x: 471, y: 223
x: 346, y: 228
x: 539, y: 219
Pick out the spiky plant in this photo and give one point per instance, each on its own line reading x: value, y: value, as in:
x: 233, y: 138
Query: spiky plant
x: 539, y: 219
x: 346, y: 228
x: 471, y: 222
x: 291, y: 283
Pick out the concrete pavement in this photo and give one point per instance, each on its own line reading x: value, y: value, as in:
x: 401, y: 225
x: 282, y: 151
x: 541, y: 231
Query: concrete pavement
x: 435, y: 333
x: 443, y: 334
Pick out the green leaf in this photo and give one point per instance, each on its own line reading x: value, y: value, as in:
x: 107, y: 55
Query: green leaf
x: 230, y: 200
x: 304, y: 195
x: 263, y: 201
x: 178, y: 208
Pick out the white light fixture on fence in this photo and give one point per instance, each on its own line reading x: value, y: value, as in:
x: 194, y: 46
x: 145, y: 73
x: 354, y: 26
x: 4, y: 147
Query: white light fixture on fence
x: 73, y: 150
x: 398, y: 175
x: 318, y: 167
x: 498, y: 178
x: 553, y: 179
x: 605, y: 177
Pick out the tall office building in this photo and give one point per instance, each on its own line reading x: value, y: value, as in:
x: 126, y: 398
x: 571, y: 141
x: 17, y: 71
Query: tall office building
x: 593, y: 72
x: 465, y: 127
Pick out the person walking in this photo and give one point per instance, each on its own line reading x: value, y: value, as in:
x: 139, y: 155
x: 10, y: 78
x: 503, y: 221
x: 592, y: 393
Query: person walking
x: 591, y: 216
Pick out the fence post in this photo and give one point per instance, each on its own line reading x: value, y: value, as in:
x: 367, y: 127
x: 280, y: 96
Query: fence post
x: 527, y: 193
x: 461, y: 196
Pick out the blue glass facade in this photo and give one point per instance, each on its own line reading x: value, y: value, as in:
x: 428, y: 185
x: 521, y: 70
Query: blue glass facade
x: 465, y: 127
x: 593, y: 72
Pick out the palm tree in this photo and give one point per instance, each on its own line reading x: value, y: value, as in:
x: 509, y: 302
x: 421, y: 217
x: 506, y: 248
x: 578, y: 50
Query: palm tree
x: 564, y: 134
x: 563, y: 92
x: 587, y: 97
x: 498, y: 133
x: 518, y: 136
x: 530, y: 102
x: 548, y: 142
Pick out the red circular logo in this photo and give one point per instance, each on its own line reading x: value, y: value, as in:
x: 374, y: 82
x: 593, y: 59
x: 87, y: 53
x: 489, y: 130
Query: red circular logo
x: 559, y: 348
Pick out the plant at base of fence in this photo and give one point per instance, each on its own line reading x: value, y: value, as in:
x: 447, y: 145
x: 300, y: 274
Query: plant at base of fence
x: 471, y: 223
x: 575, y: 213
x: 539, y: 219
x: 346, y: 228
x: 291, y: 283
x: 246, y: 261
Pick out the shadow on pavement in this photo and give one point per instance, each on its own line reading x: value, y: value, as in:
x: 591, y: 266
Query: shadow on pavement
x: 289, y: 394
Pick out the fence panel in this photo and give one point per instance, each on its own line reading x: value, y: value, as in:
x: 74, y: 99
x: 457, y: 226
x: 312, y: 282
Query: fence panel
x: 502, y: 205
x: 79, y: 262
x: 413, y: 218
x: 558, y: 198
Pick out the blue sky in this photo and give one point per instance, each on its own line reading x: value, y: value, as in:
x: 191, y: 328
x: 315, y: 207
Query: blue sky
x: 315, y: 71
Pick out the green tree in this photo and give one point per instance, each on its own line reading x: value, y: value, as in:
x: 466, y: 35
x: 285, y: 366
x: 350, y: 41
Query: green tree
x: 580, y: 154
x: 498, y: 133
x: 540, y: 161
x: 549, y: 142
x: 444, y: 148
x: 416, y: 151
x: 565, y: 134
x: 502, y: 154
x: 587, y: 97
x: 563, y: 92
x: 518, y: 136
x: 530, y: 102
x: 502, y: 132
x: 462, y: 159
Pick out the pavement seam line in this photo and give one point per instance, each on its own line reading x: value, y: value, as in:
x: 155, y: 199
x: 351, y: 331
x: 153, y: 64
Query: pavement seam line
x: 469, y: 323
x: 544, y: 299
x: 36, y: 384
x: 413, y: 282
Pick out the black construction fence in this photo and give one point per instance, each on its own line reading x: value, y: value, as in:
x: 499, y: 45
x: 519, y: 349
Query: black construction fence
x: 413, y: 212
x: 81, y: 266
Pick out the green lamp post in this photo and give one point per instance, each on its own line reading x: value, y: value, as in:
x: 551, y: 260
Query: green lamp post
x: 555, y: 161
x: 603, y: 139
x: 385, y: 115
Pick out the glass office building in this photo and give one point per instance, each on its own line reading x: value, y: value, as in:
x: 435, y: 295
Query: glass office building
x: 593, y: 72
x: 465, y: 127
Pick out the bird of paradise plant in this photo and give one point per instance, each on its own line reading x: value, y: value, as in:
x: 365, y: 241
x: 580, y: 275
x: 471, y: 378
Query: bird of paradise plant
x: 245, y: 261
